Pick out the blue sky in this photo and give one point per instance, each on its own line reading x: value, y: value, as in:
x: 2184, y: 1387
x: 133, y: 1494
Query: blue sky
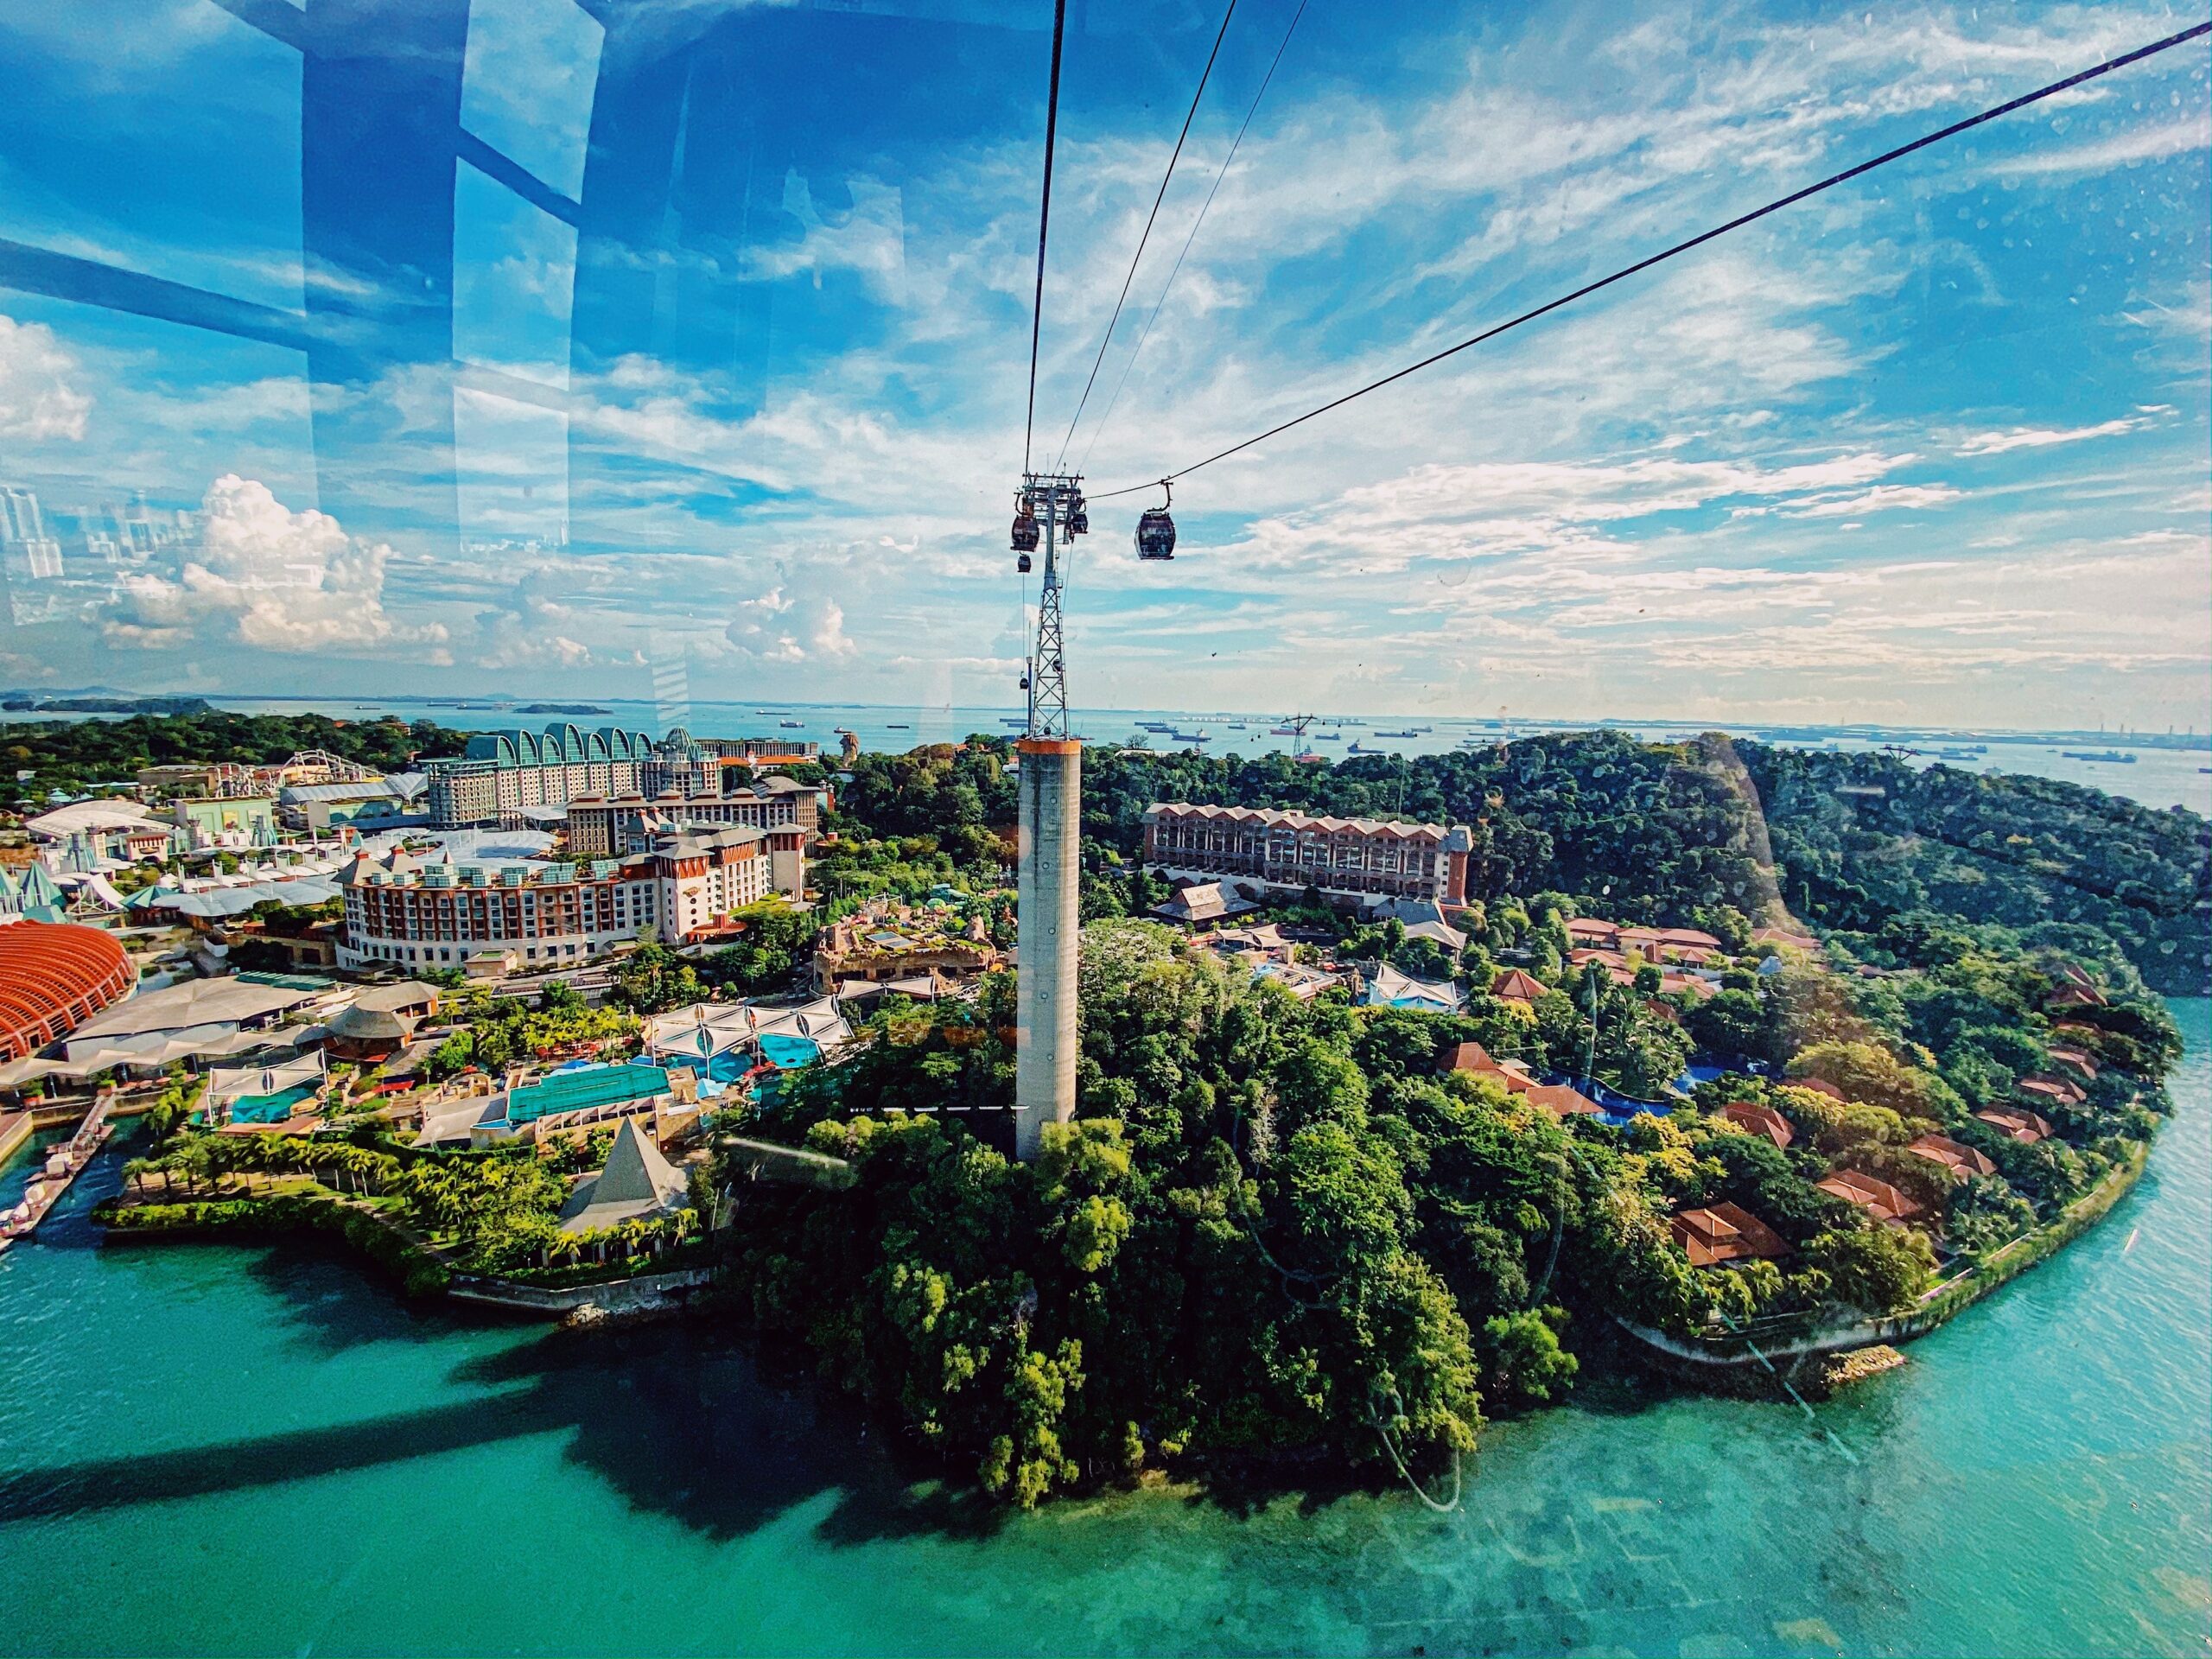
x: 522, y: 346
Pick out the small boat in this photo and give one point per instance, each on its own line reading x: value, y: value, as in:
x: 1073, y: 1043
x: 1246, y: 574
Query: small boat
x: 791, y: 725
x: 897, y: 726
x: 1283, y: 731
x: 1013, y: 720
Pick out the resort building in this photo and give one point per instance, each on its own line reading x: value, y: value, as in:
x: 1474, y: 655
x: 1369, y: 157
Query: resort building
x: 1202, y: 905
x: 1259, y: 851
x: 500, y: 773
x: 2026, y: 1128
x: 395, y: 801
x: 1386, y: 988
x: 1961, y: 1160
x: 1725, y: 1232
x: 1754, y: 1119
x: 889, y: 943
x: 1652, y: 944
x: 500, y: 776
x: 491, y: 919
x: 637, y: 1184
x: 1517, y: 987
x: 601, y: 826
x: 1881, y: 1201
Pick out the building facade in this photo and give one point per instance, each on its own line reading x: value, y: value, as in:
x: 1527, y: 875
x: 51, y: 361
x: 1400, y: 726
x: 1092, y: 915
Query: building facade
x: 601, y: 826
x: 408, y: 912
x: 1349, y: 860
x: 501, y: 773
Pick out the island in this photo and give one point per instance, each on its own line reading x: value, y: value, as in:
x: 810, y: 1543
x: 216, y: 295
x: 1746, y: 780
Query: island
x: 1719, y: 1052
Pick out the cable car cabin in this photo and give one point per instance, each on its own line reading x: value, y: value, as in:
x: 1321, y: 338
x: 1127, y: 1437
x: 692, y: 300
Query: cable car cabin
x: 1025, y: 527
x: 1022, y: 565
x: 1079, y: 518
x: 1155, y: 534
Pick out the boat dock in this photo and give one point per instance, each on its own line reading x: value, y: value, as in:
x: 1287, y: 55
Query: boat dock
x: 63, y: 1165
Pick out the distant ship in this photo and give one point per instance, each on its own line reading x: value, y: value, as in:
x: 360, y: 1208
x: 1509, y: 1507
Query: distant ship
x: 2109, y: 757
x: 1409, y: 732
x: 1283, y: 731
x: 1328, y: 737
x: 1153, y: 726
x: 794, y: 725
x: 1190, y: 737
x: 897, y: 726
x: 1361, y: 748
x: 1308, y: 757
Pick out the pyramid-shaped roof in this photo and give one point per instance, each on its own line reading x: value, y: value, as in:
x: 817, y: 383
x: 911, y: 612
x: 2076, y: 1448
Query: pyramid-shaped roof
x: 636, y: 1182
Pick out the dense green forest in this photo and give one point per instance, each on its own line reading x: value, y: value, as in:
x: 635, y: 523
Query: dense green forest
x: 1681, y: 833
x: 1279, y: 1229
x: 75, y: 755
x: 1283, y: 1229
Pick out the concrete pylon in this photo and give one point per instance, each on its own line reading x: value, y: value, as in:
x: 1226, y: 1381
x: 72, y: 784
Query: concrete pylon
x: 1050, y: 931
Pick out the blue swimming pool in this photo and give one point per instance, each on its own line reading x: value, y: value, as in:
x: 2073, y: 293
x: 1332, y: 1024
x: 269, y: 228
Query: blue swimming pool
x: 789, y: 1053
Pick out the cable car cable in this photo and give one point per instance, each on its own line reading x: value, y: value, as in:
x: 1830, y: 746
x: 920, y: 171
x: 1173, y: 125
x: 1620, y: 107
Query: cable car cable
x: 1158, y: 196
x: 1828, y: 183
x: 1138, y: 350
x: 1044, y: 222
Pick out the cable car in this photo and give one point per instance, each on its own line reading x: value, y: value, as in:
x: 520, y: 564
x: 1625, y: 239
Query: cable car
x: 1022, y: 565
x: 1156, y: 530
x: 1024, y: 526
x: 1079, y: 518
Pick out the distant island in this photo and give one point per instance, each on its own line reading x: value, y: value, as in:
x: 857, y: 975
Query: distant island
x: 21, y: 703
x: 562, y: 709
x: 1728, y: 1042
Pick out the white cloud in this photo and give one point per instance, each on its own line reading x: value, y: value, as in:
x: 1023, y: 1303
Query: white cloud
x: 775, y: 629
x: 267, y: 577
x: 39, y: 399
x: 2126, y: 148
x: 2042, y: 437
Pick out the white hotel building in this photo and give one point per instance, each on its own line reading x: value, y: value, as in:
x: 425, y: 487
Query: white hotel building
x: 417, y: 912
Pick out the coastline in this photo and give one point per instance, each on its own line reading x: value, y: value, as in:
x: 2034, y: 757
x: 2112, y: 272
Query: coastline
x: 1741, y: 1353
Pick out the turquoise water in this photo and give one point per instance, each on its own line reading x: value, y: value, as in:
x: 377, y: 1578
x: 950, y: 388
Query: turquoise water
x: 789, y: 1053
x: 211, y: 1448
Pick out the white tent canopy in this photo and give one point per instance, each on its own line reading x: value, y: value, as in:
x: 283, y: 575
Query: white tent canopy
x: 704, y: 1030
x: 228, y: 1083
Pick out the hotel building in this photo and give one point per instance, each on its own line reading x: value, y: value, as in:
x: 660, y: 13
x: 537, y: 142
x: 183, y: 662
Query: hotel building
x: 1351, y: 860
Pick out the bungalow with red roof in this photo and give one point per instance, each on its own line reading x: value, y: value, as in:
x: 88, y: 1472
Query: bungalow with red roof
x: 1820, y: 1086
x: 1518, y: 988
x: 1510, y: 1075
x: 2079, y: 1059
x: 2048, y: 1087
x: 1961, y: 1161
x: 1881, y: 1201
x: 2072, y: 995
x: 1725, y: 1232
x: 2016, y: 1125
x: 1561, y: 1100
x: 1754, y: 1119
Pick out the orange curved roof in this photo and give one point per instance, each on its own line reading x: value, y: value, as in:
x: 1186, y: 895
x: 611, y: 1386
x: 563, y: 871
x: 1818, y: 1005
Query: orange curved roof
x: 53, y: 976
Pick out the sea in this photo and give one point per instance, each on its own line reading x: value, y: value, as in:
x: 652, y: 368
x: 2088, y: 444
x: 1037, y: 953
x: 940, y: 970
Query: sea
x: 2156, y: 778
x: 260, y: 1450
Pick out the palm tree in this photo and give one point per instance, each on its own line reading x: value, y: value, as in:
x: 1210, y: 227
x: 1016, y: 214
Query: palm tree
x: 134, y: 1174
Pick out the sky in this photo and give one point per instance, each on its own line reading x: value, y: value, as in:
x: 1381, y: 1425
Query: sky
x: 524, y: 347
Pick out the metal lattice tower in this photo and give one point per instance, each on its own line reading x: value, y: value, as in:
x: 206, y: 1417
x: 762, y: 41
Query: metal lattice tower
x: 1056, y: 499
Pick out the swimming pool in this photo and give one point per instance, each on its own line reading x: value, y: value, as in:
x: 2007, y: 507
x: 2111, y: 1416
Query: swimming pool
x: 789, y: 1053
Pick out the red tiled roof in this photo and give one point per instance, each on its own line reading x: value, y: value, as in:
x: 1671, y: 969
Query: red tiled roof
x: 2063, y: 1089
x: 1819, y: 1086
x: 1561, y: 1100
x: 1759, y: 1120
x: 2016, y: 1125
x: 1473, y: 1057
x: 1725, y: 1232
x: 1961, y: 1161
x: 1876, y: 1197
x: 1515, y: 986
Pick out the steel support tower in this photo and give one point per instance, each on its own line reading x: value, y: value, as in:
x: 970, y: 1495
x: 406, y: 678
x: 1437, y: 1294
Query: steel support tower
x: 1050, y: 823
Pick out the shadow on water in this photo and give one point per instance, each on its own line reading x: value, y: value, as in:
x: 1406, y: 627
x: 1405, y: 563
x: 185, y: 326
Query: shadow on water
x: 682, y: 1420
